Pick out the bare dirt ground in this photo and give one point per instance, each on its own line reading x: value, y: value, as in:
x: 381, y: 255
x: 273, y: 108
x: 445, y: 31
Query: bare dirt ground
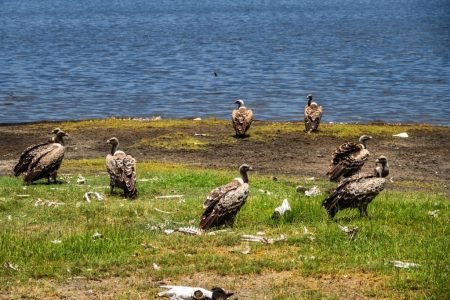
x: 263, y: 286
x: 423, y: 156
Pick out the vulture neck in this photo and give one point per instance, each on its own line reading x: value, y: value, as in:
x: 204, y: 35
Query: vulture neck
x: 364, y: 143
x: 244, y: 176
x: 59, y: 140
x: 114, y: 148
x: 309, y: 101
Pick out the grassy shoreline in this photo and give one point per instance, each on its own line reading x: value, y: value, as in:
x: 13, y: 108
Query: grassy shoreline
x: 59, y: 243
x: 107, y: 249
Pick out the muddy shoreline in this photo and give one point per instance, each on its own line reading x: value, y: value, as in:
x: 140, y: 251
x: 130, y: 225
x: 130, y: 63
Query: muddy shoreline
x: 423, y: 156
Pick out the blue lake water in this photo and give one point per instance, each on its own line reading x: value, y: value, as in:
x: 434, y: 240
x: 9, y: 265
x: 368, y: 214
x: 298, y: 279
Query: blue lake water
x: 363, y: 60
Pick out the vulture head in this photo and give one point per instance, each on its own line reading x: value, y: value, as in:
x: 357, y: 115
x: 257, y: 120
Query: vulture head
x: 55, y: 131
x: 113, y: 141
x: 245, y: 168
x: 310, y: 98
x: 364, y: 138
x: 220, y: 294
x: 382, y: 168
x: 239, y: 102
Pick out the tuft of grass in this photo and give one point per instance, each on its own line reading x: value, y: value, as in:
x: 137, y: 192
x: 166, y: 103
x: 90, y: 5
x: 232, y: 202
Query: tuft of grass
x: 119, y: 238
x: 175, y: 140
x: 135, y: 124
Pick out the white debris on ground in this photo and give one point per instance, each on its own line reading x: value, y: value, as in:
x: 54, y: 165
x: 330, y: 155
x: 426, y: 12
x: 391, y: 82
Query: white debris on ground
x: 351, y: 232
x: 177, y: 292
x: 81, y: 179
x: 282, y: 209
x: 404, y: 265
x: 197, y: 119
x: 56, y: 242
x: 156, y: 267
x: 163, y: 211
x: 434, y: 213
x: 48, y: 203
x: 262, y: 239
x: 186, y: 230
x: 401, y: 135
x: 314, y: 191
x: 200, y: 134
x: 98, y: 196
x: 23, y: 196
x: 265, y: 192
x: 10, y: 265
x: 306, y: 257
x: 97, y: 235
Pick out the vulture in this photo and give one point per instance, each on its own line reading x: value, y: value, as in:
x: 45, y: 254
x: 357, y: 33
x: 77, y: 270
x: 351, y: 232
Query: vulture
x: 121, y: 169
x: 348, y: 159
x: 242, y: 118
x: 42, y: 160
x: 178, y: 292
x: 313, y: 114
x: 28, y: 154
x: 223, y: 203
x: 358, y: 190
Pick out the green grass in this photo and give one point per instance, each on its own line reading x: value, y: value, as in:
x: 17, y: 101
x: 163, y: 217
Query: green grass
x: 399, y: 228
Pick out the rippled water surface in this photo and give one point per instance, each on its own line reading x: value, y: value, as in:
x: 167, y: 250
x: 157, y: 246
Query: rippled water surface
x: 363, y: 60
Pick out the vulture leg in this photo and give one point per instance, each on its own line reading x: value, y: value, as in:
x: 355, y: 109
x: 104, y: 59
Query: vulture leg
x: 332, y: 212
x: 363, y: 209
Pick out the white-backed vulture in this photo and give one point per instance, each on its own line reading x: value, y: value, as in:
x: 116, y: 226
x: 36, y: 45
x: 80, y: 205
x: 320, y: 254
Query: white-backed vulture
x: 223, y: 203
x: 121, y: 169
x: 348, y: 159
x: 42, y: 160
x: 242, y: 118
x: 358, y: 190
x: 313, y: 114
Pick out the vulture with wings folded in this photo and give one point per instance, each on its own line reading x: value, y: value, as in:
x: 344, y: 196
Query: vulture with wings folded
x: 358, y: 190
x: 223, y: 203
x: 42, y: 160
x: 313, y: 114
x: 348, y: 159
x: 121, y: 169
x: 242, y: 118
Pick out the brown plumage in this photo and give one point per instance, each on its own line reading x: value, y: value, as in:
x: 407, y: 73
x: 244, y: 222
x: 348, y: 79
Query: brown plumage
x: 28, y: 154
x: 223, y: 203
x: 121, y: 169
x: 348, y: 159
x: 242, y: 118
x: 313, y: 114
x: 357, y: 191
x: 42, y: 160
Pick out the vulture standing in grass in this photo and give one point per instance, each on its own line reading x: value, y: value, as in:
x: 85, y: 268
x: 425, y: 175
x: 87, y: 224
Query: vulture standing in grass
x: 358, y: 190
x: 313, y: 114
x: 348, y: 159
x: 223, y: 203
x: 42, y: 160
x: 242, y: 118
x: 121, y: 169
